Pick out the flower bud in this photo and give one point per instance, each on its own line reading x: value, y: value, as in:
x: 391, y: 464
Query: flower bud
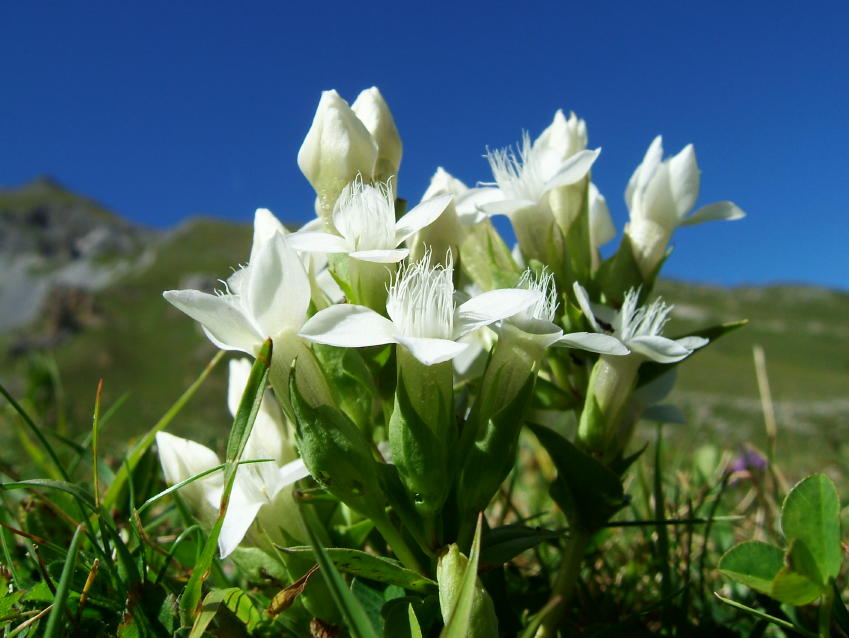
x: 372, y: 111
x: 337, y: 148
x: 450, y: 571
x: 445, y: 234
x: 659, y: 195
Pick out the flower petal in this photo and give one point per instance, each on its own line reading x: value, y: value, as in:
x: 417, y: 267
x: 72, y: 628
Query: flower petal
x: 223, y: 320
x: 506, y: 206
x: 349, y: 326
x: 584, y: 302
x: 380, y: 256
x: 318, y: 242
x: 265, y: 227
x: 717, y: 210
x: 684, y: 179
x: 573, y: 169
x: 491, y: 306
x: 277, y: 292
x: 659, y: 349
x: 593, y: 342
x: 239, y: 371
x: 422, y: 215
x: 432, y: 351
x: 241, y: 512
x: 692, y: 343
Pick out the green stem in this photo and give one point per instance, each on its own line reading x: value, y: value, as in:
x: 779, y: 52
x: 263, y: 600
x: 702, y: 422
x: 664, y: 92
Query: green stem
x: 564, y: 585
x: 395, y: 539
x: 825, y: 612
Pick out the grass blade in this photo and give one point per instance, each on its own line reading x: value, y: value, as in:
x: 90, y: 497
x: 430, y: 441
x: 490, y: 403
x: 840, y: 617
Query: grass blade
x: 64, y: 587
x: 147, y: 440
x: 355, y: 616
x: 242, y: 425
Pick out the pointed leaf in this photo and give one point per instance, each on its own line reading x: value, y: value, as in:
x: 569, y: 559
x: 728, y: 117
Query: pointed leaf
x: 364, y: 565
x: 587, y: 491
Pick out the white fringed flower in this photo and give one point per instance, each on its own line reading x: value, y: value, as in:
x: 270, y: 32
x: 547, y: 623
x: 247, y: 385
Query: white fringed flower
x: 637, y: 328
x: 364, y: 216
x: 423, y: 317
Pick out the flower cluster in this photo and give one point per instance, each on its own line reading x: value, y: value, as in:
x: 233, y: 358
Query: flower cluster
x: 411, y: 347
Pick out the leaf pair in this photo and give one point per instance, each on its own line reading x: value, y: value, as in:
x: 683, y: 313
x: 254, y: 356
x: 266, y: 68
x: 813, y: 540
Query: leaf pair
x: 802, y: 571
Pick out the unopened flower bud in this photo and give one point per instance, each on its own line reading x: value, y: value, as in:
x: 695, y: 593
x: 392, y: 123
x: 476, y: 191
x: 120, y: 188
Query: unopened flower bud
x: 337, y: 148
x: 372, y: 111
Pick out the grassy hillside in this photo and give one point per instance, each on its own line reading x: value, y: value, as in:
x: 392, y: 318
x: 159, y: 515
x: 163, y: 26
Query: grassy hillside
x: 144, y: 347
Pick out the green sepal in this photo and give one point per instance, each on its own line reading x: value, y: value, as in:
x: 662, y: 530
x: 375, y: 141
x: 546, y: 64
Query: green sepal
x: 489, y: 459
x: 419, y: 455
x: 486, y: 258
x: 619, y: 273
x: 349, y: 375
x: 337, y: 454
x: 587, y: 491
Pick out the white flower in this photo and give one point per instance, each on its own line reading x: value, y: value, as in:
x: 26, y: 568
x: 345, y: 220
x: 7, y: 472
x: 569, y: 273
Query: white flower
x: 364, y: 215
x: 423, y: 317
x: 372, y: 111
x: 526, y: 179
x: 337, y: 148
x: 267, y: 298
x: 659, y: 196
x: 602, y: 229
x: 256, y: 484
x: 637, y: 329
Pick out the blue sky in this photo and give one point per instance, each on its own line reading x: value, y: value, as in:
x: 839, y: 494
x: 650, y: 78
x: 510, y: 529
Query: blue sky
x: 163, y: 110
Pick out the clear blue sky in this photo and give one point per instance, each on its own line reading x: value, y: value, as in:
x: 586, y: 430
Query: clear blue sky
x: 163, y: 110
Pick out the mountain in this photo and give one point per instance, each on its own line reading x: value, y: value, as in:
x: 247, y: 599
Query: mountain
x: 82, y: 300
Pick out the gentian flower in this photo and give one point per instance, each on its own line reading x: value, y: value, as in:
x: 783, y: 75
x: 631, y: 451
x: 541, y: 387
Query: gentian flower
x: 423, y: 317
x: 256, y: 486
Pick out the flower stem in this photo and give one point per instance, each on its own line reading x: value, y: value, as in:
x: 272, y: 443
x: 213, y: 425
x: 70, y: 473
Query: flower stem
x: 395, y: 539
x: 564, y: 584
x: 825, y: 612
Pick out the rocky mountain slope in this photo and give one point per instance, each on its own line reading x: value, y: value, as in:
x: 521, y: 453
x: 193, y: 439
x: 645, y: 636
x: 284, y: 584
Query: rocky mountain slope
x: 81, y: 300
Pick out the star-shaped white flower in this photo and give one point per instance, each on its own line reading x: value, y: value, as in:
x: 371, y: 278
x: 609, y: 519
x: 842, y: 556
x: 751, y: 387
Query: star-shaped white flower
x: 364, y: 215
x: 267, y: 298
x: 423, y: 317
x: 256, y: 484
x: 524, y: 181
x: 637, y: 328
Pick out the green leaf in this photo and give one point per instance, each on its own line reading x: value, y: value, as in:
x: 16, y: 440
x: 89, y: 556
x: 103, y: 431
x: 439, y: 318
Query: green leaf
x: 236, y: 600
x: 503, y: 543
x: 754, y: 564
x: 356, y: 618
x: 415, y: 628
x: 588, y: 492
x: 337, y: 454
x: 794, y: 588
x: 810, y: 515
x: 365, y: 565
